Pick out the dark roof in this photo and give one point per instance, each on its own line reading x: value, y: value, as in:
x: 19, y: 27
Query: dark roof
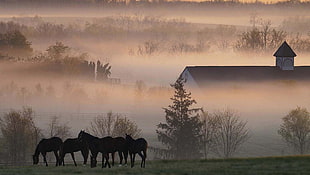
x: 284, y: 51
x: 206, y: 74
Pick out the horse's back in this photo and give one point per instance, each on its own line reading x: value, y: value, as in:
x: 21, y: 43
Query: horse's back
x: 107, y: 144
x: 72, y: 145
x: 138, y: 145
x: 141, y: 141
x: 120, y: 144
x: 51, y: 144
x: 56, y: 140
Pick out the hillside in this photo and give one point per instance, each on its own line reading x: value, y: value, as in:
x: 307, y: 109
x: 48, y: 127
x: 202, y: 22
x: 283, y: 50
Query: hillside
x: 245, y: 166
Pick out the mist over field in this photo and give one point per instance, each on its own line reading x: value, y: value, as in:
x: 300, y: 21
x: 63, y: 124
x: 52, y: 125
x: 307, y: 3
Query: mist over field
x: 148, y: 48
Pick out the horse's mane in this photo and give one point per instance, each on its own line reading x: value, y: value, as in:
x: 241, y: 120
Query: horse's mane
x: 129, y: 138
x: 89, y: 135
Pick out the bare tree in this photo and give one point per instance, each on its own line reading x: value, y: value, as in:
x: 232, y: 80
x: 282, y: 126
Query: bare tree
x: 265, y: 32
x: 103, y: 125
x: 113, y: 125
x: 231, y: 133
x: 295, y: 129
x: 210, y: 127
x: 19, y: 134
x: 125, y: 126
x: 56, y: 129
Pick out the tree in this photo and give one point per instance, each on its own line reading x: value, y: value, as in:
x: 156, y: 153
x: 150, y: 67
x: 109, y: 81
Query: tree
x: 210, y: 126
x: 182, y: 131
x: 230, y: 134
x: 124, y: 126
x: 20, y: 135
x: 260, y: 38
x: 103, y: 71
x: 114, y: 125
x: 14, y: 43
x: 57, y: 51
x: 56, y: 129
x: 295, y: 129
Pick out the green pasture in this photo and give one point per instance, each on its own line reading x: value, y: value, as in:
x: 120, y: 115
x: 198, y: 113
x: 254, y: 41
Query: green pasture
x: 293, y: 165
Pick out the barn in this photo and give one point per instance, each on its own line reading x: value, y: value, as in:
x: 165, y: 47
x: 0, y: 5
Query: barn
x: 284, y: 69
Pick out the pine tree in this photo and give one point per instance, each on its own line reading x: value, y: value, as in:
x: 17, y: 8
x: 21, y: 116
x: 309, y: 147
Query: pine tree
x: 182, y: 131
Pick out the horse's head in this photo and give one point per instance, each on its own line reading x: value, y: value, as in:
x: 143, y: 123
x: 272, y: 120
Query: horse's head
x: 35, y: 159
x: 128, y: 137
x: 81, y: 135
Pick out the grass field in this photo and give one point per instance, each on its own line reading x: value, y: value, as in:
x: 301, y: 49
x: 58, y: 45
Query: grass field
x: 295, y: 165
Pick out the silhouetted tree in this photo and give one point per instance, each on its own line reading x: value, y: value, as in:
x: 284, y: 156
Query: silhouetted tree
x: 113, y: 125
x: 295, y: 129
x: 182, y: 131
x: 57, y: 129
x: 19, y: 133
x: 230, y: 134
x: 210, y: 127
x: 57, y: 51
x: 14, y: 43
x: 103, y: 71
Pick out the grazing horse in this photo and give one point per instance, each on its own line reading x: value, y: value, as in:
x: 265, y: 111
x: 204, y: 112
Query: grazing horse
x: 121, y: 147
x: 97, y: 145
x: 47, y: 145
x: 136, y: 146
x: 71, y: 146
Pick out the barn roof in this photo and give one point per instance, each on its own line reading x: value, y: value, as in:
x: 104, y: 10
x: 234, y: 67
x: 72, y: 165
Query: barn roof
x: 284, y: 51
x: 206, y: 74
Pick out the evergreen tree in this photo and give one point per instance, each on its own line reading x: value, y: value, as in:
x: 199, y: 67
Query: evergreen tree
x: 182, y: 130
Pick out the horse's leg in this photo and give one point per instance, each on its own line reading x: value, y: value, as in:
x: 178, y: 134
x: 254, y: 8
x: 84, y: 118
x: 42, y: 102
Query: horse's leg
x: 125, y: 156
x: 72, y: 155
x: 133, y: 160
x: 103, y: 163
x: 62, y: 158
x: 130, y: 156
x: 44, y: 158
x: 142, y: 157
x: 85, y: 155
x: 113, y: 158
x: 93, y: 158
x: 57, y: 158
x: 107, y: 159
x: 144, y: 153
x: 120, y: 154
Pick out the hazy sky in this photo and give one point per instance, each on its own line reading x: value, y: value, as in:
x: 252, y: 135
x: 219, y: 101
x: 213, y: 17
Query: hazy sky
x: 266, y: 1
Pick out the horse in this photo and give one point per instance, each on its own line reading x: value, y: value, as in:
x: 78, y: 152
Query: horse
x: 118, y: 144
x: 121, y: 147
x: 72, y: 145
x: 97, y: 145
x: 136, y: 146
x: 47, y: 145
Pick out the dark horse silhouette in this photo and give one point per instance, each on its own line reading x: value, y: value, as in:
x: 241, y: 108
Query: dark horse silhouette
x: 96, y: 145
x: 136, y: 146
x: 47, y: 145
x: 118, y: 144
x: 121, y: 147
x: 72, y: 145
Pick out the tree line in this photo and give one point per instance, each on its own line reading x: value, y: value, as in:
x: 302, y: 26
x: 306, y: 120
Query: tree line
x: 147, y: 3
x: 20, y: 134
x: 159, y: 35
x: 187, y: 133
x: 191, y: 133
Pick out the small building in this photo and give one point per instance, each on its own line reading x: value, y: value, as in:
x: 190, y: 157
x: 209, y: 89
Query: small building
x: 284, y: 69
x: 285, y: 57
